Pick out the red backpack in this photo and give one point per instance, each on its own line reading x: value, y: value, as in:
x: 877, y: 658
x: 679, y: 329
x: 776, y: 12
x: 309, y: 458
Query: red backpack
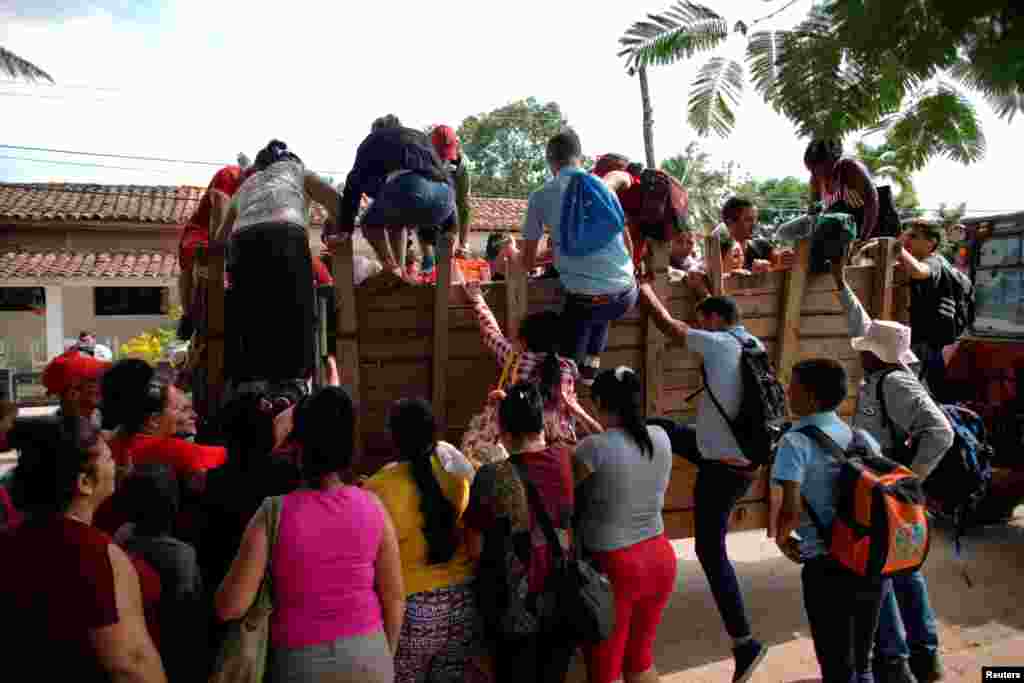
x: 657, y: 205
x: 881, y: 527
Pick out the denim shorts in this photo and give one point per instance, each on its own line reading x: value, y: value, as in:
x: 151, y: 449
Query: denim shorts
x: 411, y: 199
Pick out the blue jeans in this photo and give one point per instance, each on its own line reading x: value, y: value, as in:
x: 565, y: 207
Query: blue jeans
x: 717, y: 491
x: 588, y: 318
x: 907, y: 624
x: 410, y: 199
x: 842, y: 611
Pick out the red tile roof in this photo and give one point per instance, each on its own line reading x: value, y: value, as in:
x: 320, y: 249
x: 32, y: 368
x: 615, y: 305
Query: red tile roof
x: 64, y: 265
x: 70, y: 202
x: 174, y: 205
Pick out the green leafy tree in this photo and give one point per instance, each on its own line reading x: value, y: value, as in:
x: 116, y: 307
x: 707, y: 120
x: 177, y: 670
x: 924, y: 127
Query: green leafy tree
x: 506, y: 147
x: 708, y: 187
x: 778, y: 199
x: 852, y: 65
x: 950, y: 217
x: 885, y: 161
x: 17, y: 67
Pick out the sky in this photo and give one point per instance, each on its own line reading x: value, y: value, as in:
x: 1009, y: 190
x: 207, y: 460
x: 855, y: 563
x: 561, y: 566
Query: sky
x: 200, y: 80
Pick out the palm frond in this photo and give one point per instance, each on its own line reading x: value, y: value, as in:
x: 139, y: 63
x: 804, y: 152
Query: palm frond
x: 808, y: 75
x: 941, y: 121
x: 764, y: 55
x: 1004, y: 100
x: 715, y: 92
x: 16, y: 67
x: 678, y: 33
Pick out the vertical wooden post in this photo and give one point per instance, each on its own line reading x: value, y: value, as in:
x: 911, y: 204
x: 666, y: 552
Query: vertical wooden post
x: 881, y: 299
x: 347, y: 342
x: 516, y: 303
x: 654, y: 340
x: 713, y: 263
x: 789, y: 316
x: 442, y: 292
x: 215, y: 325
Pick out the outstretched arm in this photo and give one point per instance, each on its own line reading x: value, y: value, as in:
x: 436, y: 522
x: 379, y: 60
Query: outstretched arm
x: 493, y: 338
x: 670, y: 327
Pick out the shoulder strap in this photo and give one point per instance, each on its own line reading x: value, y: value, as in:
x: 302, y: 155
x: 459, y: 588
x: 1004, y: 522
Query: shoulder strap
x: 829, y: 444
x: 508, y: 373
x: 542, y: 515
x: 273, y: 523
x: 825, y: 441
x: 880, y: 397
x: 714, y: 399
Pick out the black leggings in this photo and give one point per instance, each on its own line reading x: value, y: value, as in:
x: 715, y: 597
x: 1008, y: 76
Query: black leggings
x: 270, y: 310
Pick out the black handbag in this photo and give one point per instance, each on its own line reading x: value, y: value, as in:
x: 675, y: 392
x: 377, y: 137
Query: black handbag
x: 584, y: 603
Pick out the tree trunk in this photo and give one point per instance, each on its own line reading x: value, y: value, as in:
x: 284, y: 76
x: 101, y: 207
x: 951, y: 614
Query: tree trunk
x: 645, y: 97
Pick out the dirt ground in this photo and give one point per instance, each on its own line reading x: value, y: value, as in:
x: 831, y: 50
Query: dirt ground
x: 981, y: 624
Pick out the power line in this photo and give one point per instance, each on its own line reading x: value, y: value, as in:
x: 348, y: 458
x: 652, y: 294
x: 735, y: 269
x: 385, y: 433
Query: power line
x: 75, y: 163
x: 130, y: 157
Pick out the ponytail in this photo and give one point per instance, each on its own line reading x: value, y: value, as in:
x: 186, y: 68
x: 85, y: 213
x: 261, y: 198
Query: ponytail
x: 550, y: 377
x: 539, y: 333
x: 618, y: 392
x: 413, y: 430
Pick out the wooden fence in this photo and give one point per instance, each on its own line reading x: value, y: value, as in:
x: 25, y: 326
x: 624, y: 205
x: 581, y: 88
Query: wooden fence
x: 409, y: 341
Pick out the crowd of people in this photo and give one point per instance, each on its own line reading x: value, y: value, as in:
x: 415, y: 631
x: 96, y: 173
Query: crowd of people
x: 129, y: 546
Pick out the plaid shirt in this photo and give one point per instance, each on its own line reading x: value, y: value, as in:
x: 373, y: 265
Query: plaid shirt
x: 559, y: 422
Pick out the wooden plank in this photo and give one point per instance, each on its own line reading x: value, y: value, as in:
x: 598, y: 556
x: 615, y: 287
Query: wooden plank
x: 831, y: 326
x: 792, y: 294
x: 347, y: 342
x: 627, y: 334
x: 442, y: 293
x: 713, y: 263
x: 516, y: 297
x: 215, y: 327
x: 654, y: 340
x: 679, y: 495
x: 881, y: 299
x: 744, y: 517
x: 375, y: 295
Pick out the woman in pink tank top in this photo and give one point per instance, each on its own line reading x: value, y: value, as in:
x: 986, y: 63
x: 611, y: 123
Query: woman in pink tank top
x: 338, y: 593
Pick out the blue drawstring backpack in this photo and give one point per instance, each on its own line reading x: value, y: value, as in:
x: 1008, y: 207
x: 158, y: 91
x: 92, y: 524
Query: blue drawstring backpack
x: 591, y: 215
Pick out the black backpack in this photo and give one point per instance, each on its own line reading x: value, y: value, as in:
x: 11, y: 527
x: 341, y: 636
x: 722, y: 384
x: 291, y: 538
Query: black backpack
x: 963, y: 476
x: 948, y: 308
x: 762, y: 407
x: 956, y: 303
x: 889, y: 224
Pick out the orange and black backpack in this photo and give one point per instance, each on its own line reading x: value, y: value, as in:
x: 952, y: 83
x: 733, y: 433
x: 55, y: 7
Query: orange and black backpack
x: 880, y: 527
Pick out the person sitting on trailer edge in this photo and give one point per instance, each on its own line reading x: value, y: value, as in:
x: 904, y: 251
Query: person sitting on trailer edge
x: 399, y: 170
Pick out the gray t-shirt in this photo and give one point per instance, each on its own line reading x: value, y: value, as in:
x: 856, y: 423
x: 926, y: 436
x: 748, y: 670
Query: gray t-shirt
x: 626, y: 491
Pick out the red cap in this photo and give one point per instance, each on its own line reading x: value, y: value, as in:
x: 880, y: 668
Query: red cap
x: 71, y: 367
x: 446, y: 143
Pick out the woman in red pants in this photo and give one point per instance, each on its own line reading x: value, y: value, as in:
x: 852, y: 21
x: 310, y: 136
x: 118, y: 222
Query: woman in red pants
x: 621, y: 476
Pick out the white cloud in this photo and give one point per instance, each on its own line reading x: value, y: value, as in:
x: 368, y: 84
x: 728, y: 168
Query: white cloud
x: 212, y: 79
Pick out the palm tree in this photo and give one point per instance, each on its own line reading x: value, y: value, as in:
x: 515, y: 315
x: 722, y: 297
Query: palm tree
x: 884, y: 161
x: 708, y: 188
x: 831, y: 76
x: 17, y: 67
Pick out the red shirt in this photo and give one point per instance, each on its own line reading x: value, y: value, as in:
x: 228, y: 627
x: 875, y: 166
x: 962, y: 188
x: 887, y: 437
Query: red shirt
x: 226, y: 180
x: 56, y: 585
x: 497, y: 495
x: 184, y: 456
